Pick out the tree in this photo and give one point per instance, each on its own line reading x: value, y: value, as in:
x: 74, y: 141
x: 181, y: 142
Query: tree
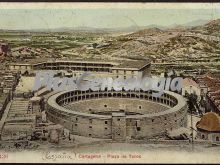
x: 192, y: 101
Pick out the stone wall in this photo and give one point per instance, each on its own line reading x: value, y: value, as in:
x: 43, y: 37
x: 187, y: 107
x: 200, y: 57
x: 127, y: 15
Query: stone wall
x: 137, y: 126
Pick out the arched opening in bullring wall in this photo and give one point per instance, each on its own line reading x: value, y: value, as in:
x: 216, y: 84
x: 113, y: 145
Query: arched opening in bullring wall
x: 25, y: 73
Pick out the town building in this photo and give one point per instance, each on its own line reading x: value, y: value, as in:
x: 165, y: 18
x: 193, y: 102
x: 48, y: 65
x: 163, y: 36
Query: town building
x: 17, y: 123
x: 210, y: 89
x: 208, y: 128
x: 4, y: 48
x: 109, y: 68
x: 189, y: 86
x: 8, y: 82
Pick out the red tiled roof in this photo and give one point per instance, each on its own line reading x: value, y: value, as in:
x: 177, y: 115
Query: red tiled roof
x: 189, y: 82
x: 209, y: 122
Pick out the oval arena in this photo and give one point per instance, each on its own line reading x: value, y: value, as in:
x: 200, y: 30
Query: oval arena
x: 117, y: 115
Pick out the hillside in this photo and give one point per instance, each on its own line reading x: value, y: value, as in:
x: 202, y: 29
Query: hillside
x: 211, y: 28
x: 178, y: 42
x: 153, y: 42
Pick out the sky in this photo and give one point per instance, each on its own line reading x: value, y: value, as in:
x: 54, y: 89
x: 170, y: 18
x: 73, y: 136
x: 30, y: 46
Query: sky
x: 44, y: 17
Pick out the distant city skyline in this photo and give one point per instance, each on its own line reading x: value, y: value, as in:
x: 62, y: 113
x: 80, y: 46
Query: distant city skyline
x: 114, y: 17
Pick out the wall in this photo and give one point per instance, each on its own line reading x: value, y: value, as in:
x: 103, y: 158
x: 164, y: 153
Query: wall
x: 137, y: 126
x: 83, y: 126
x: 209, y: 136
x: 118, y: 126
x: 146, y: 71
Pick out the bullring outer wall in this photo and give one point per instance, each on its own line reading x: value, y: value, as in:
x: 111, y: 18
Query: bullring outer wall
x: 101, y: 126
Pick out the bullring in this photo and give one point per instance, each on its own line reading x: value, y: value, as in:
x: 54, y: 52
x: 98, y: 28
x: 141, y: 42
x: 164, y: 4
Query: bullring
x: 109, y: 115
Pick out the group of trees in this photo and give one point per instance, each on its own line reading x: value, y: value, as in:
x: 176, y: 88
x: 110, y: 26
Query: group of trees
x: 194, y: 106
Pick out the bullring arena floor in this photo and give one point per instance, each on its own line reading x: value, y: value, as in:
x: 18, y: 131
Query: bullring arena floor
x: 108, y: 105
